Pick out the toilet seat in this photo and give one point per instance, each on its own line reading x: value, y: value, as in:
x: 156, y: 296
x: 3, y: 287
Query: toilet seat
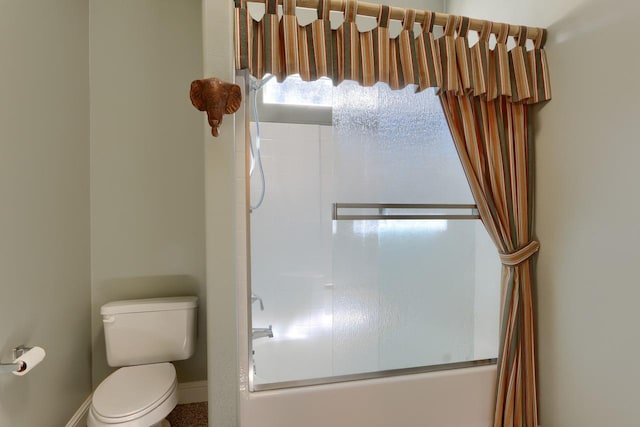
x: 135, y: 396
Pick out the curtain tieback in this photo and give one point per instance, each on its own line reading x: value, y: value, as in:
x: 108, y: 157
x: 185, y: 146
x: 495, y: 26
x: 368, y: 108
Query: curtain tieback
x: 521, y: 255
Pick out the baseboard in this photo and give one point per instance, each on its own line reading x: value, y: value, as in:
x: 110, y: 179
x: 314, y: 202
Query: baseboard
x: 191, y: 392
x: 79, y: 419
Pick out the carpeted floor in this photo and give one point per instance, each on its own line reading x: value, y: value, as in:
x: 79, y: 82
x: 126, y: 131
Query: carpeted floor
x: 189, y: 415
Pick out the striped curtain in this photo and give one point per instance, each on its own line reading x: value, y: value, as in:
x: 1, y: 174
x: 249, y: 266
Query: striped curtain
x: 494, y: 142
x: 485, y: 95
x: 493, y: 138
x: 278, y: 45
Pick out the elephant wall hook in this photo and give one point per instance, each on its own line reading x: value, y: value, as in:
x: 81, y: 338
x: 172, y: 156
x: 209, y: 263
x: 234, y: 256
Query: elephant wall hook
x: 217, y: 98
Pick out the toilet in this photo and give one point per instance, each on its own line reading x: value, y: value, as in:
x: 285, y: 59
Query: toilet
x: 142, y: 337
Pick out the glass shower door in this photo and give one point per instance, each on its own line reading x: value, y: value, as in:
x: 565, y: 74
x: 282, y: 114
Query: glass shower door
x: 350, y: 295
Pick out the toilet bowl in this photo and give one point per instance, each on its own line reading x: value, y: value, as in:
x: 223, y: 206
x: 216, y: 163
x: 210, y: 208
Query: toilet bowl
x: 142, y: 337
x: 135, y: 396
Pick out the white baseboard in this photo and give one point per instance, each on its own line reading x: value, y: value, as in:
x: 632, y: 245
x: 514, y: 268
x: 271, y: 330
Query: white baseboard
x: 191, y: 392
x: 79, y: 419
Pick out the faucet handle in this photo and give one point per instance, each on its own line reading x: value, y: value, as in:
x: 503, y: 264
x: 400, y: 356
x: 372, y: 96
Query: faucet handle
x: 255, y: 298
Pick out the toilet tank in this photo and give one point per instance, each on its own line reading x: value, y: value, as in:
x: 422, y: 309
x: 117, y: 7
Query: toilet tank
x: 151, y: 330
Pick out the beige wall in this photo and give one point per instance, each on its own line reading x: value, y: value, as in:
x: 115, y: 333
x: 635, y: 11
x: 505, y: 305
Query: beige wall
x: 587, y: 208
x: 147, y: 167
x: 146, y: 213
x: 220, y: 208
x: 44, y: 219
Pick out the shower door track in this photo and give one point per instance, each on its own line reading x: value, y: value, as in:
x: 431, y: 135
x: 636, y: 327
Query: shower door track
x: 373, y: 375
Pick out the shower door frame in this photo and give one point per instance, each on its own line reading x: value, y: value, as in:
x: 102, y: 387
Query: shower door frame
x: 243, y: 273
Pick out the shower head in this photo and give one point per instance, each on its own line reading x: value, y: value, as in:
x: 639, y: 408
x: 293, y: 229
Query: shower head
x: 256, y: 84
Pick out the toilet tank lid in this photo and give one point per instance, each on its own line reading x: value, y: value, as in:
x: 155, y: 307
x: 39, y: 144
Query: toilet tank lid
x: 150, y: 304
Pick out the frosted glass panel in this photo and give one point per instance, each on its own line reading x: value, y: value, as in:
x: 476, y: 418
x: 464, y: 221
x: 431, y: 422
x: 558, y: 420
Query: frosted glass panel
x: 394, y: 147
x: 353, y: 296
x: 400, y: 299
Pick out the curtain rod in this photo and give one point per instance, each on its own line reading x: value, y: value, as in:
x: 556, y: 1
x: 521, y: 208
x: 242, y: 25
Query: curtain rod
x: 397, y: 13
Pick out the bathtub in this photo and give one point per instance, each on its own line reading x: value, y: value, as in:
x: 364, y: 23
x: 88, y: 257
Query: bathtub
x: 455, y: 398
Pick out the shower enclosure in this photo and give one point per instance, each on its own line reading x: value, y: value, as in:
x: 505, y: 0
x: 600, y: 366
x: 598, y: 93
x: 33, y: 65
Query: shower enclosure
x: 367, y: 257
x: 368, y: 314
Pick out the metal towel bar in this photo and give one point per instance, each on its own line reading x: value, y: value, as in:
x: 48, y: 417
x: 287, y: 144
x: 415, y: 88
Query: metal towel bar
x: 397, y: 211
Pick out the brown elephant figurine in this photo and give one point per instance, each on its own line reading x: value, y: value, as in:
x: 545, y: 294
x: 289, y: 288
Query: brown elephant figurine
x: 217, y: 98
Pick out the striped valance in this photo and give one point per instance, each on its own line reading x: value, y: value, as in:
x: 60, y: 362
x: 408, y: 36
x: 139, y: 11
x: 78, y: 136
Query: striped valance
x: 280, y: 46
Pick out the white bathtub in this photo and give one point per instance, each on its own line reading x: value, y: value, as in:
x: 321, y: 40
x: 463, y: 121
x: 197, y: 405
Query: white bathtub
x: 456, y: 398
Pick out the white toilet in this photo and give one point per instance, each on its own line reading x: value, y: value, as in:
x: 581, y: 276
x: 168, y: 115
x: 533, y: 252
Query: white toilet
x: 143, y: 336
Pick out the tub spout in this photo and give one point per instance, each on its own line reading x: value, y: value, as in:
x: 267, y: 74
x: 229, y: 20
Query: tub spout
x: 261, y: 333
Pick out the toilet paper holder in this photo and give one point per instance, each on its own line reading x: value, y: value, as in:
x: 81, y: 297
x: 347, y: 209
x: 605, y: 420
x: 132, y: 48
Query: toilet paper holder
x: 15, y: 367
